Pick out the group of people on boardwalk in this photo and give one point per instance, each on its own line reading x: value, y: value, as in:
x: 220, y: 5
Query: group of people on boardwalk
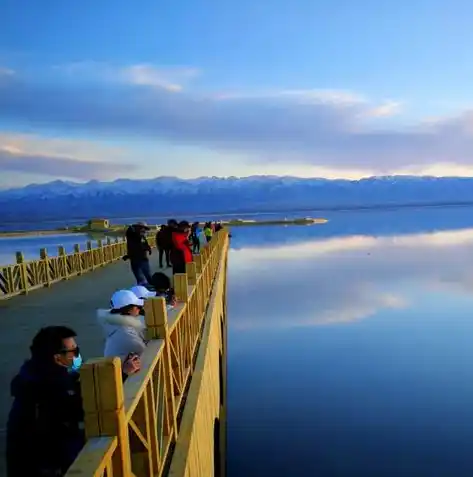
x: 176, y: 243
x: 45, y: 429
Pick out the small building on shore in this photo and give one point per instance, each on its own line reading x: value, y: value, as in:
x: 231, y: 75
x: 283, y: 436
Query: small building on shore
x: 98, y: 224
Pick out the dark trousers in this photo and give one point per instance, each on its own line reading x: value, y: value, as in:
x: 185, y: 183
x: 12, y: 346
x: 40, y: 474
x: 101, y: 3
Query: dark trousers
x: 164, y: 252
x: 141, y: 270
x: 195, y: 245
x: 178, y: 267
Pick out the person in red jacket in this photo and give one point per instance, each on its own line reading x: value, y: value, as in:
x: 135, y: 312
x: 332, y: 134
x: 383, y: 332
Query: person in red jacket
x: 181, y: 252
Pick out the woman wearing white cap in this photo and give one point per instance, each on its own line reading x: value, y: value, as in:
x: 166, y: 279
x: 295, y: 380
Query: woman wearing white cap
x: 123, y: 327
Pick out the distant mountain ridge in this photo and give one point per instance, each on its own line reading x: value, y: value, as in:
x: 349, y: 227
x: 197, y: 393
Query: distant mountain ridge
x: 170, y: 195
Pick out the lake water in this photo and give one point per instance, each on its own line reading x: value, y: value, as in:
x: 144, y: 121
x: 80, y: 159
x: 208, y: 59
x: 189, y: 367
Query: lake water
x: 350, y: 344
x: 31, y: 245
x: 351, y: 347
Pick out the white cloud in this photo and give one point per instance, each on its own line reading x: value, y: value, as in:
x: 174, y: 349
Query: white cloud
x: 307, y: 96
x: 172, y: 79
x: 389, y: 108
x: 6, y: 72
x: 340, y: 132
x: 54, y: 157
x: 148, y: 75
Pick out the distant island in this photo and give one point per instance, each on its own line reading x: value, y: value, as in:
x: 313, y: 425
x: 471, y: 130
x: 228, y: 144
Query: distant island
x: 103, y: 227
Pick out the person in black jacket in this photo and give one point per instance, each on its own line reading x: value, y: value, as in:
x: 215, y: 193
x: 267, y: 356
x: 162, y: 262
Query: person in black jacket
x: 138, y: 251
x: 166, y: 240
x: 163, y: 243
x: 45, y: 425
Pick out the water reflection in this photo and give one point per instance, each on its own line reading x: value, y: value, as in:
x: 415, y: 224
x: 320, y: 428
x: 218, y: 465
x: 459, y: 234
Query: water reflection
x: 352, y: 356
x: 344, y: 279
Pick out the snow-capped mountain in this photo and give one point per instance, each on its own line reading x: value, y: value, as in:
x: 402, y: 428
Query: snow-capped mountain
x: 170, y: 195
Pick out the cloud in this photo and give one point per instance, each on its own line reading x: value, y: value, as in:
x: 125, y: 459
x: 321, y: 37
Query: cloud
x: 389, y: 108
x: 171, y: 79
x: 56, y: 158
x: 315, y: 127
x: 6, y: 72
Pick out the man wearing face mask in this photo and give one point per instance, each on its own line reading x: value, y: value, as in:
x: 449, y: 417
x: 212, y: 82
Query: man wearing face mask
x: 46, y: 418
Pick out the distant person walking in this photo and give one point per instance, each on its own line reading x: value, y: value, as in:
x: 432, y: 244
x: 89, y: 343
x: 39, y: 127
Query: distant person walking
x: 195, y: 232
x: 138, y: 251
x: 208, y: 232
x: 164, y: 244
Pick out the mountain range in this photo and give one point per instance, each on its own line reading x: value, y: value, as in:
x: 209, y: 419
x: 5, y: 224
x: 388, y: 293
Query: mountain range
x: 60, y: 200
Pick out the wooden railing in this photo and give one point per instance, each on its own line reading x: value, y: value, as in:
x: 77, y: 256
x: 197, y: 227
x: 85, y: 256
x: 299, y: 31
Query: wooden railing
x: 28, y: 275
x: 144, y: 416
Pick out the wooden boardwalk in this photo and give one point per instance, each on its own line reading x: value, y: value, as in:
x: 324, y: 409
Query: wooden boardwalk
x: 72, y: 303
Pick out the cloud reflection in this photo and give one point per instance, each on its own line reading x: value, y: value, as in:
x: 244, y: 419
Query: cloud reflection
x: 340, y: 280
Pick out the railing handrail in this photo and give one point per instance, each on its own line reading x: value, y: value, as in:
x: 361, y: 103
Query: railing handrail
x: 28, y: 275
x: 149, y: 403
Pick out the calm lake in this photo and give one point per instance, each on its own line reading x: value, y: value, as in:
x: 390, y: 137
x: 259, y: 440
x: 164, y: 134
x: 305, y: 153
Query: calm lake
x: 31, y: 245
x: 351, y: 347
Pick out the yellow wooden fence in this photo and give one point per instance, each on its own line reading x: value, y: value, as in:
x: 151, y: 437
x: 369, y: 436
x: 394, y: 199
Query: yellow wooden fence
x: 28, y: 275
x: 134, y: 429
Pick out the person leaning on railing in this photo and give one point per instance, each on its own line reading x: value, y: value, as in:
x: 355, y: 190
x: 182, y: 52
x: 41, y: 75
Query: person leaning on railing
x: 161, y: 284
x: 181, y: 252
x: 45, y: 425
x: 123, y: 325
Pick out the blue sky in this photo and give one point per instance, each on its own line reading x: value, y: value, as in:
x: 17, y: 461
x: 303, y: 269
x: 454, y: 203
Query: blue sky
x: 107, y: 89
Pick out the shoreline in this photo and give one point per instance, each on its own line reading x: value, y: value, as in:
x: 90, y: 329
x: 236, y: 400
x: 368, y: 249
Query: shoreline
x: 119, y: 231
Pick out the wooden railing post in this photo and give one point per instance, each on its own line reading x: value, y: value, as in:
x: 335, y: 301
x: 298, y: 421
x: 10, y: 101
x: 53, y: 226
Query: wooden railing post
x: 191, y: 272
x: 198, y: 263
x: 78, y: 258
x: 101, y: 252
x: 181, y: 285
x: 109, y: 250
x: 43, y: 254
x: 104, y: 411
x: 91, y: 255
x: 61, y: 252
x: 156, y: 319
x: 20, y: 260
x: 116, y: 248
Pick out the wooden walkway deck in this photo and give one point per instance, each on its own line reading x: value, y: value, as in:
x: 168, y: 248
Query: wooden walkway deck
x: 72, y: 303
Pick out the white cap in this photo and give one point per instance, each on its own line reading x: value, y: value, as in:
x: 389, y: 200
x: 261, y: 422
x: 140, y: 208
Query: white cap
x: 142, y: 292
x: 122, y: 298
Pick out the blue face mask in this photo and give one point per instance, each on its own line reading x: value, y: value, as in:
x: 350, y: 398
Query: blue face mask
x: 76, y: 364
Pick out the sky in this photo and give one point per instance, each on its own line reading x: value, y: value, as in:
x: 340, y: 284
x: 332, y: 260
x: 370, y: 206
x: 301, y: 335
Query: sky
x: 312, y: 88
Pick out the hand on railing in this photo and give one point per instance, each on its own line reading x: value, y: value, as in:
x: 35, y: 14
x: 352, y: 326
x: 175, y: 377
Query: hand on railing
x: 132, y: 364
